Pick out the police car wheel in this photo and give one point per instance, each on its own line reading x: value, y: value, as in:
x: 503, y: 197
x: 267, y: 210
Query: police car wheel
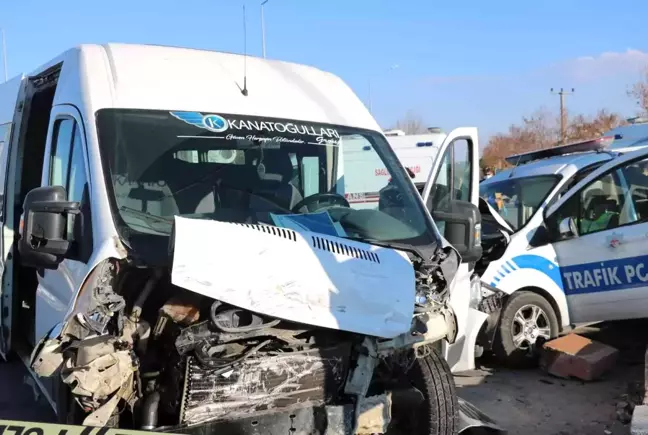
x: 527, y: 319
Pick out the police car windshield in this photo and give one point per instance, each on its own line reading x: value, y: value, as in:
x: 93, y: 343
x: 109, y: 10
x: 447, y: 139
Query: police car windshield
x: 518, y: 199
x: 248, y: 169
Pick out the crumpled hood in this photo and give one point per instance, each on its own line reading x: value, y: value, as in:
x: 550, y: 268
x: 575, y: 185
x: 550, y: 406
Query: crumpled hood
x: 303, y: 277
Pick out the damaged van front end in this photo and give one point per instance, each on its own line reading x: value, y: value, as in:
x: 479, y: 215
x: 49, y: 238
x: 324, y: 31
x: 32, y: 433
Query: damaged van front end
x: 254, y: 329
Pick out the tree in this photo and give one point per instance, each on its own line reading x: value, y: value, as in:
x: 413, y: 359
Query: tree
x: 583, y: 128
x: 411, y: 123
x: 639, y: 92
x: 542, y: 130
x: 536, y: 132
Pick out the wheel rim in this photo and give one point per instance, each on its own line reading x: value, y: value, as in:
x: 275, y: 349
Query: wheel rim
x: 529, y: 323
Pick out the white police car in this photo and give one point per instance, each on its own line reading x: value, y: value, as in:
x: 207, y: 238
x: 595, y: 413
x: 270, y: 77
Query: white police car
x: 567, y: 242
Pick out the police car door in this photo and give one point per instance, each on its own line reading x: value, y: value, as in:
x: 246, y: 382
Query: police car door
x: 455, y: 175
x: 599, y: 230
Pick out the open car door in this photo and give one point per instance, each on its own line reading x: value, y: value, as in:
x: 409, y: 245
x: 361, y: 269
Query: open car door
x: 599, y: 232
x: 10, y: 117
x: 454, y: 182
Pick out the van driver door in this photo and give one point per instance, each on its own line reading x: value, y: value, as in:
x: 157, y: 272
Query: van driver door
x: 65, y: 165
x: 455, y: 176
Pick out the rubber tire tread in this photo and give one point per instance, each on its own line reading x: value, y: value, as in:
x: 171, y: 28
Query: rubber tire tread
x: 503, y: 347
x: 439, y: 413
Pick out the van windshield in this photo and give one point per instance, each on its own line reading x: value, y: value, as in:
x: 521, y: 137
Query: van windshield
x: 518, y: 199
x: 246, y: 169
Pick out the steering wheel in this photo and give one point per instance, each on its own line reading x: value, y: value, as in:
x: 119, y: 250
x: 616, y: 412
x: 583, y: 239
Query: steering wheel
x: 318, y: 199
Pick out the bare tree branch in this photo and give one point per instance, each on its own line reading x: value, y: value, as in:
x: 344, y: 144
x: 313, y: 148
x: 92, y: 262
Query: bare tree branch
x: 639, y: 92
x: 411, y: 123
x: 542, y: 130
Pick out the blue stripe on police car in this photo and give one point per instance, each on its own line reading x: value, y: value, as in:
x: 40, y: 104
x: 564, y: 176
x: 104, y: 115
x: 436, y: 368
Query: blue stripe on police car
x: 533, y: 262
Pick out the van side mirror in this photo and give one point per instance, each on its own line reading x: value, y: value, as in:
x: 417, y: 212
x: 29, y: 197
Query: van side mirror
x: 43, y: 234
x: 462, y: 221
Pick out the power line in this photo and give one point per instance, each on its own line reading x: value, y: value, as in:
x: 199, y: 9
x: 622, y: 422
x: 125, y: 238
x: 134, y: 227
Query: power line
x: 563, y: 114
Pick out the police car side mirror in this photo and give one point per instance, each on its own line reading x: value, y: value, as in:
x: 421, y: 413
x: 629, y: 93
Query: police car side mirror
x: 540, y: 237
x: 567, y: 228
x: 43, y: 233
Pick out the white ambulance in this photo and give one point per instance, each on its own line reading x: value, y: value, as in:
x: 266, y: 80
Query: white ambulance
x: 366, y: 175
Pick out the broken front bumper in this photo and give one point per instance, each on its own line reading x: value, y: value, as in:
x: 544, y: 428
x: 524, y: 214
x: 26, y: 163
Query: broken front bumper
x: 491, y: 305
x: 324, y: 420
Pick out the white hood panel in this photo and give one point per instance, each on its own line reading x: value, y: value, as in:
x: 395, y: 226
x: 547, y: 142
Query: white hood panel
x: 302, y: 277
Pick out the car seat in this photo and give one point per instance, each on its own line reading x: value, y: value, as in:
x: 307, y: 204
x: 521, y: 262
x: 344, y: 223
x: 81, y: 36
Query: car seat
x: 275, y: 182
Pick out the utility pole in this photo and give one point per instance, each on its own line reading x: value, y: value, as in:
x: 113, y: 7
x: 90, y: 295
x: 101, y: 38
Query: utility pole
x: 263, y: 28
x: 4, y: 55
x: 563, y: 114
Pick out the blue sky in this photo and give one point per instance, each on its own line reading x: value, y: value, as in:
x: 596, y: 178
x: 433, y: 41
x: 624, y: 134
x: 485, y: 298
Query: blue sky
x: 481, y: 63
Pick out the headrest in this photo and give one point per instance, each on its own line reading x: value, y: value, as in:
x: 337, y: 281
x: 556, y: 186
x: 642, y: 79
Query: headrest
x: 278, y: 166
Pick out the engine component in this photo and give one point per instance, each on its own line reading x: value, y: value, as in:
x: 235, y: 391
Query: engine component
x: 263, y: 382
x: 100, y: 375
x: 238, y: 320
x: 105, y: 305
x: 150, y: 411
x: 143, y: 296
x: 193, y: 336
x: 178, y: 311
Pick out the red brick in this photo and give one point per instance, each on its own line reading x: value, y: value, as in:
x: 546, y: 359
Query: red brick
x: 577, y: 356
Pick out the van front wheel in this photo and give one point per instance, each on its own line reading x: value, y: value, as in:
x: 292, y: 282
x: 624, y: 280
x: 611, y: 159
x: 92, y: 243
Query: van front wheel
x: 526, y: 320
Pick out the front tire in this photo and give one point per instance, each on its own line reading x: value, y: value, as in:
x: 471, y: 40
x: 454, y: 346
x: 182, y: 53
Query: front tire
x: 526, y: 318
x: 438, y: 414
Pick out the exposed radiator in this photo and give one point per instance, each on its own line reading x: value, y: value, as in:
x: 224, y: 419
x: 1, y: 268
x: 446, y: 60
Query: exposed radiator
x: 263, y: 383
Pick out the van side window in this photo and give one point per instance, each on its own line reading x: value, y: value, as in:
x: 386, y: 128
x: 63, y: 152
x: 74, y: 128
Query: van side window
x: 77, y: 179
x: 60, y: 161
x: 5, y: 134
x: 462, y: 169
x: 68, y: 167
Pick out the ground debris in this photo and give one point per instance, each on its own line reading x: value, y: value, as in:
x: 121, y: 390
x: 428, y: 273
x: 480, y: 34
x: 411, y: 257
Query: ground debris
x: 576, y: 356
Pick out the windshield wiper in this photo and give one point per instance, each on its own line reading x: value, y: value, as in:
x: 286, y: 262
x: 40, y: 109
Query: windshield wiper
x: 145, y: 215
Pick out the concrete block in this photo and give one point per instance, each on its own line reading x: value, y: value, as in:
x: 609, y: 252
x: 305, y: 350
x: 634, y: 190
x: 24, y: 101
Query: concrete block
x: 576, y: 356
x: 639, y: 423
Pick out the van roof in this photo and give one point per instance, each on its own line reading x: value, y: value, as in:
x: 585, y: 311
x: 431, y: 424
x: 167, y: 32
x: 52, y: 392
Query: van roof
x: 172, y: 78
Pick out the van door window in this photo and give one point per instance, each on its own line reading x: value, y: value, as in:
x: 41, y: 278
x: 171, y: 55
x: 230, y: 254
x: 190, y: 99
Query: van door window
x: 5, y: 134
x: 60, y: 161
x: 68, y: 165
x: 462, y: 169
x: 453, y: 180
x: 77, y: 179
